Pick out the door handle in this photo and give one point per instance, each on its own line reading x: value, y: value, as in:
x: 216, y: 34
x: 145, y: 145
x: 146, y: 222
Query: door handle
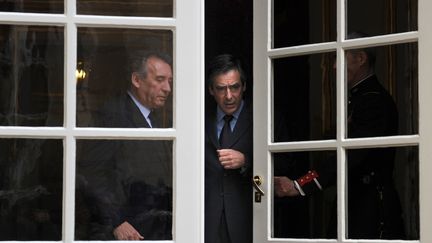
x: 257, y: 181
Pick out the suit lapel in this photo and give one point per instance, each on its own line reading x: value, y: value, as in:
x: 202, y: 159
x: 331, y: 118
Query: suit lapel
x: 211, y: 130
x: 242, y: 125
x: 136, y: 117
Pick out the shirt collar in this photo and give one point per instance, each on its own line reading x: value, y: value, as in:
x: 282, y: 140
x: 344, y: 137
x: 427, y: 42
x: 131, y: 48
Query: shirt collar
x: 144, y: 110
x: 361, y: 81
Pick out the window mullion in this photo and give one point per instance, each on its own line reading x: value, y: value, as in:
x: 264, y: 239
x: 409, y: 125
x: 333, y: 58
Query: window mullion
x: 69, y: 142
x: 69, y: 189
x: 341, y: 121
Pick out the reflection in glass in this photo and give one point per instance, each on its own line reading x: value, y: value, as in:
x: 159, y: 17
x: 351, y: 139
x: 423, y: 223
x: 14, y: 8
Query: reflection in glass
x: 383, y: 193
x: 382, y: 91
x: 143, y: 8
x: 32, y: 6
x: 303, y: 22
x: 383, y: 17
x: 121, y: 181
x: 304, y: 98
x: 31, y: 187
x: 104, y: 57
x: 31, y: 64
x: 312, y: 215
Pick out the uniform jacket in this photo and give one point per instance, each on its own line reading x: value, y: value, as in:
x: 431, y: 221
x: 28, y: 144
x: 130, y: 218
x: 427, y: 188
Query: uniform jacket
x: 229, y: 190
x: 373, y: 204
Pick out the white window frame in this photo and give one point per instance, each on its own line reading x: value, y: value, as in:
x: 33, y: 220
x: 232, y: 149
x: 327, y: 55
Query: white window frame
x: 264, y: 147
x: 187, y: 133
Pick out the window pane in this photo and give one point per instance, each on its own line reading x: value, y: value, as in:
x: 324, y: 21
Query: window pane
x: 312, y: 215
x: 304, y: 98
x: 31, y: 74
x: 383, y: 200
x: 383, y: 17
x: 33, y: 6
x: 123, y: 181
x: 31, y: 184
x: 303, y: 22
x: 105, y: 72
x: 145, y: 8
x: 382, y: 91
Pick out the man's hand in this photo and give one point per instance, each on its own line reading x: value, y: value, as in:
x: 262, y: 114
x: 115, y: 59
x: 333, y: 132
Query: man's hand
x: 284, y: 187
x: 126, y: 231
x: 231, y: 159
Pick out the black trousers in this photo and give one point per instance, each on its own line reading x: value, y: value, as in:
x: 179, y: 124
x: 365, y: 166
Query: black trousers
x: 223, y: 234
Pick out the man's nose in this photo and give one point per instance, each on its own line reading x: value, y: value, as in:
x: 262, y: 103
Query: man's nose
x: 166, y: 86
x: 228, y: 93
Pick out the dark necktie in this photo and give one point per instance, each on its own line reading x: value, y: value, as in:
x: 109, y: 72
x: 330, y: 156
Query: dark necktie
x: 152, y: 119
x: 225, y: 135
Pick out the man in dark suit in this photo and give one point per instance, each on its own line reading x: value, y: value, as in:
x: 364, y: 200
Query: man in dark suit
x: 374, y: 210
x: 128, y: 183
x: 228, y: 155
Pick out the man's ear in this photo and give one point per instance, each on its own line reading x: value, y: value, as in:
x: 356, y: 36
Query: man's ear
x: 135, y: 79
x: 210, y: 88
x: 244, y: 86
x: 362, y: 57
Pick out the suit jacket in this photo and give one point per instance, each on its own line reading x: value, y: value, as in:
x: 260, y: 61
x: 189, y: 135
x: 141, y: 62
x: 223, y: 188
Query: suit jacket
x: 229, y: 190
x: 127, y: 180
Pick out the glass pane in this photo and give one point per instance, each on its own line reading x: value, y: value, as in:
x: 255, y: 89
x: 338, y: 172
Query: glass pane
x: 303, y: 22
x: 145, y: 8
x: 314, y: 214
x: 31, y: 74
x: 304, y: 98
x: 31, y: 184
x: 122, y: 182
x: 109, y: 63
x: 383, y: 193
x: 382, y: 96
x: 33, y: 6
x: 383, y: 17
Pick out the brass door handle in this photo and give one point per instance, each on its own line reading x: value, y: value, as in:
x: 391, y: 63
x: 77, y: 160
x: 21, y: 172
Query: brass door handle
x: 257, y: 181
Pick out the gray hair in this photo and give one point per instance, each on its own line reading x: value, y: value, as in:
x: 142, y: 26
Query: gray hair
x: 138, y: 61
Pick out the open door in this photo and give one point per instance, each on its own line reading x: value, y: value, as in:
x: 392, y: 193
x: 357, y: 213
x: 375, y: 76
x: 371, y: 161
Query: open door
x: 330, y: 151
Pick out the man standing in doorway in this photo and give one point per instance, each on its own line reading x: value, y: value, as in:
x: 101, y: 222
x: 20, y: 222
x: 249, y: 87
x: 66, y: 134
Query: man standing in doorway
x: 228, y: 155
